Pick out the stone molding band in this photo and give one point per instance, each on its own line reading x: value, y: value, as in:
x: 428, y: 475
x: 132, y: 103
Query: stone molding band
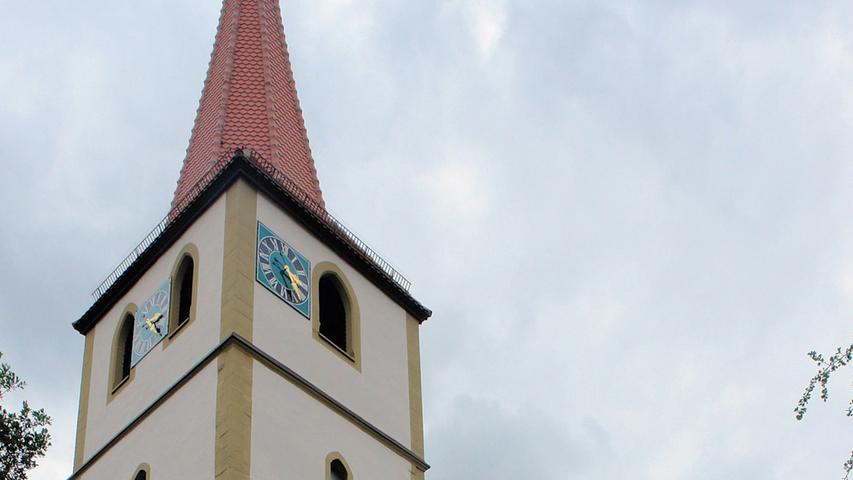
x: 283, y: 370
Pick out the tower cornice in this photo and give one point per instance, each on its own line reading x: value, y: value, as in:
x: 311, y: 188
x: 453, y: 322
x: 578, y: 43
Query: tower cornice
x: 268, y: 181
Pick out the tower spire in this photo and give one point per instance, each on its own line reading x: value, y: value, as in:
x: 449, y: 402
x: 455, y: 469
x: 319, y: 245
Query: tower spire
x: 249, y: 100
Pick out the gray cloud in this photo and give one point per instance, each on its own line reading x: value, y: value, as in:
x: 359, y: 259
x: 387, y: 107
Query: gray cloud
x: 631, y: 219
x: 481, y: 439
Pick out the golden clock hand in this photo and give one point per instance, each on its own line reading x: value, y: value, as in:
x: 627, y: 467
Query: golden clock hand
x: 293, y: 278
x: 294, y: 281
x: 152, y: 322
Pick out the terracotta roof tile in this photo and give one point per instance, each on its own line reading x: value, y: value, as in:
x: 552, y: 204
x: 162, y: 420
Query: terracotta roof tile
x: 249, y: 99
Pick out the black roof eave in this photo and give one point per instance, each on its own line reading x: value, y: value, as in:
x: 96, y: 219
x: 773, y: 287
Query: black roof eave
x: 240, y: 167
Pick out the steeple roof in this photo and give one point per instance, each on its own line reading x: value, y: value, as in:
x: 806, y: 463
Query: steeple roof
x: 249, y: 100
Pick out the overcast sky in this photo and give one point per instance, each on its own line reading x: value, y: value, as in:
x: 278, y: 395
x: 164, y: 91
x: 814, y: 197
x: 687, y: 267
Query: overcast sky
x: 632, y: 219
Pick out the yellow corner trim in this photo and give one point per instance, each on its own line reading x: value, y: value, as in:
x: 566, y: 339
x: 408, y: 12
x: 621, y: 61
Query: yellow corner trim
x: 83, y: 410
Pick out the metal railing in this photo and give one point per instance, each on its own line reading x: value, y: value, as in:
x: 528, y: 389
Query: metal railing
x: 333, y: 223
x: 292, y: 188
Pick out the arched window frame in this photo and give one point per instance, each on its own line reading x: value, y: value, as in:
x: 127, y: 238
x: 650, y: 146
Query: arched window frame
x: 331, y: 457
x: 190, y: 251
x: 352, y: 355
x: 143, y: 468
x: 115, y: 384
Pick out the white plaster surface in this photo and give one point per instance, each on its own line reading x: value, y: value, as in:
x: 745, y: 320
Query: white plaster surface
x: 176, y: 440
x: 292, y: 433
x: 380, y: 392
x: 161, y: 368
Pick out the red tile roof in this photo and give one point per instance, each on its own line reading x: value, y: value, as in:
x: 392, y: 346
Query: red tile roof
x: 249, y: 100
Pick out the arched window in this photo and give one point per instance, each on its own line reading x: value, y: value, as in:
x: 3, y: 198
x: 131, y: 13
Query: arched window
x: 335, y: 318
x: 334, y: 324
x: 120, y: 372
x: 183, y: 289
x: 184, y: 295
x: 143, y: 472
x: 338, y: 470
x: 122, y: 350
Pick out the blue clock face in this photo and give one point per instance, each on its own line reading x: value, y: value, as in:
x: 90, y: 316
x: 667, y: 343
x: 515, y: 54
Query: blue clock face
x: 283, y: 270
x: 151, y: 323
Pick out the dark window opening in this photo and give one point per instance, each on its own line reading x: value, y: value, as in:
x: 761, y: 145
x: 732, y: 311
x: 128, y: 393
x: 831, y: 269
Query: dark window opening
x: 141, y: 476
x: 339, y: 472
x: 185, y: 290
x: 333, y: 314
x: 125, y: 347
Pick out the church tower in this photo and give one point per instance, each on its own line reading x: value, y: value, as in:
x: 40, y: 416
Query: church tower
x: 251, y: 335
